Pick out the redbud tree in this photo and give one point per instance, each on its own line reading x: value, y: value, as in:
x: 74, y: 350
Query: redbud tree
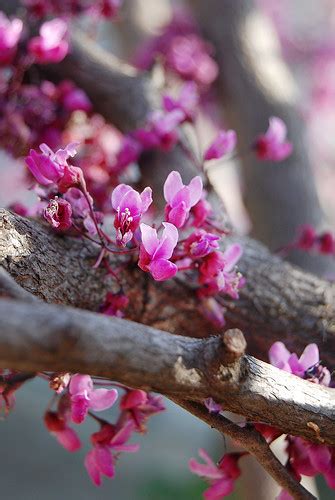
x: 123, y: 281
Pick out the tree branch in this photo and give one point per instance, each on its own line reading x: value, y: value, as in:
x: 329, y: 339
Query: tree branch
x: 45, y: 337
x: 278, y: 302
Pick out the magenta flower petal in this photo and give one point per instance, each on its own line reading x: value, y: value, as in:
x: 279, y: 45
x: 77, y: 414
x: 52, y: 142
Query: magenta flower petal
x: 162, y: 269
x: 68, y: 439
x: 79, y: 384
x: 146, y: 197
x: 320, y: 457
x: 310, y: 356
x: 178, y: 214
x: 172, y: 185
x: 231, y: 256
x: 104, y: 461
x: 167, y: 243
x: 150, y: 239
x: 279, y: 355
x: 195, y: 187
x: 92, y: 469
x: 223, y: 144
x: 101, y: 399
x: 219, y: 489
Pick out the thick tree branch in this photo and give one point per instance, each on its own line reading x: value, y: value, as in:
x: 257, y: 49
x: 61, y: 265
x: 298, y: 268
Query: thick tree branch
x: 278, y: 302
x: 65, y: 339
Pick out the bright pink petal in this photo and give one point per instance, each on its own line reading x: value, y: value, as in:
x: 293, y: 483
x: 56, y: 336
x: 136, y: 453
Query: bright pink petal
x: 150, y: 240
x: 68, y: 439
x: 162, y: 270
x: 168, y: 242
x: 79, y: 408
x: 219, y: 489
x: 118, y: 193
x: 104, y: 460
x: 172, y: 185
x: 310, y: 356
x: 320, y: 457
x: 178, y: 215
x: 91, y: 467
x: 231, y: 256
x: 79, y: 384
x: 146, y: 197
x: 278, y: 354
x: 132, y: 399
x: 277, y: 129
x: 122, y: 436
x: 195, y: 188
x: 101, y: 399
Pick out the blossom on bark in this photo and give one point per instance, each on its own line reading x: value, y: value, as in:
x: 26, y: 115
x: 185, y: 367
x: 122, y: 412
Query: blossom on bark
x: 51, y: 45
x: 224, y: 143
x: 221, y: 477
x: 58, y: 213
x: 307, y: 366
x: 273, y: 145
x: 200, y: 243
x: 217, y: 271
x: 155, y: 253
x: 85, y: 397
x: 10, y: 32
x: 180, y: 198
x: 129, y: 206
x: 161, y: 130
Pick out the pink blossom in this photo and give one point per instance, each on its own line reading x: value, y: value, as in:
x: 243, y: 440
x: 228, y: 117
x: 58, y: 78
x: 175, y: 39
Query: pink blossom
x: 77, y: 100
x: 57, y: 425
x: 10, y: 32
x: 273, y: 145
x: 58, y: 213
x: 201, y: 211
x: 115, y: 304
x: 110, y: 8
x: 307, y: 366
x: 223, y: 144
x: 155, y: 253
x: 81, y: 210
x: 129, y: 206
x: 49, y: 167
x: 221, y: 477
x: 180, y: 198
x: 306, y: 237
x: 187, y: 101
x: 50, y: 46
x: 129, y: 152
x: 189, y: 56
x: 161, y: 130
x: 217, y: 271
x: 200, y: 243
x: 84, y: 397
x: 140, y: 406
x: 308, y: 459
x: 100, y: 461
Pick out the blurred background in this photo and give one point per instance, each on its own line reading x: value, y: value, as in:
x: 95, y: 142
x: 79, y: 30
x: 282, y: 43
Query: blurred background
x: 289, y: 52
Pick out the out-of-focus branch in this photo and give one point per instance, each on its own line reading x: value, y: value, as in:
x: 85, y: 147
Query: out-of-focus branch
x: 254, y: 84
x: 44, y: 337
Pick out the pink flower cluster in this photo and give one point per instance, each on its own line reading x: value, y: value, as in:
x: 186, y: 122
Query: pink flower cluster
x: 304, y: 458
x: 310, y: 241
x: 273, y: 145
x: 43, y: 8
x: 181, y: 50
x: 77, y: 401
x: 221, y: 477
x: 51, y: 45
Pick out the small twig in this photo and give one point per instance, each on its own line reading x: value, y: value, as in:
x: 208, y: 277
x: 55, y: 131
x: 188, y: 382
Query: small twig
x: 254, y: 443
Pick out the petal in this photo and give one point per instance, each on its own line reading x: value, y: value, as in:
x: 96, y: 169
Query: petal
x: 219, y: 489
x: 231, y: 256
x: 178, y: 215
x: 150, y: 240
x: 104, y: 460
x: 277, y: 129
x: 68, y: 439
x: 130, y: 448
x: 122, y: 436
x: 79, y: 384
x: 146, y: 197
x: 162, y: 269
x: 79, y: 408
x: 320, y: 457
x: 118, y: 193
x: 167, y: 243
x: 92, y: 468
x: 101, y: 399
x: 133, y: 398
x: 278, y: 354
x: 310, y: 356
x: 172, y: 185
x: 195, y: 187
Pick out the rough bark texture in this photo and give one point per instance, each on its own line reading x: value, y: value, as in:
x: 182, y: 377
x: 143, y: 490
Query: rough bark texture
x: 254, y: 84
x: 65, y: 339
x: 279, y: 302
